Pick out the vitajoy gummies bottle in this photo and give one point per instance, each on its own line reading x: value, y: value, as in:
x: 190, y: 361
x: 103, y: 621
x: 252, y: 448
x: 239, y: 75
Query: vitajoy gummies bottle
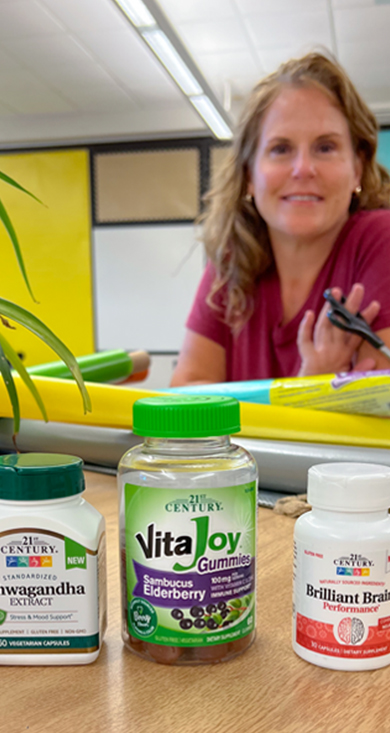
x: 187, y: 532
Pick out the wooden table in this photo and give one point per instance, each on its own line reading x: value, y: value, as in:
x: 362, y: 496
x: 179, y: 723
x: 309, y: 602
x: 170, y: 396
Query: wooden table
x: 267, y: 689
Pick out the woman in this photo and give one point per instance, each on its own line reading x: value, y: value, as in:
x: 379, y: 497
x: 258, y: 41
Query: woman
x: 301, y: 206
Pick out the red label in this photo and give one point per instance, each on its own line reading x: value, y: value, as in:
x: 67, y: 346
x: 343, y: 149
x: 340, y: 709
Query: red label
x: 320, y: 638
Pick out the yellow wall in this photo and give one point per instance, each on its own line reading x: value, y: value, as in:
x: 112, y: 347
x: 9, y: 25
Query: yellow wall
x: 56, y: 246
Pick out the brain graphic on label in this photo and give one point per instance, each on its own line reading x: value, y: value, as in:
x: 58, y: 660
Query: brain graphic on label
x: 351, y: 630
x: 188, y: 533
x: 341, y: 616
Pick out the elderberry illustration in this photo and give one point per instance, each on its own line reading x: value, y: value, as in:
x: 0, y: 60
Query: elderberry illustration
x: 212, y: 616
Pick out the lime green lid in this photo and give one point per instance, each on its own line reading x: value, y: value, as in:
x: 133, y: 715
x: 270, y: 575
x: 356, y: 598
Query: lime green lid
x: 40, y: 476
x: 186, y: 416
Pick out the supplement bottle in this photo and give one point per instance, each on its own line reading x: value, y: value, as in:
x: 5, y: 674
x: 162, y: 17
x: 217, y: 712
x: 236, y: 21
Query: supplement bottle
x: 341, y: 613
x: 52, y: 563
x: 187, y: 532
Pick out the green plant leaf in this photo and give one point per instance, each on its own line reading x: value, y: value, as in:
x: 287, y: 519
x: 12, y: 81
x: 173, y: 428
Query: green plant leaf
x: 19, y: 367
x: 28, y: 320
x: 12, y: 235
x: 11, y: 389
x: 11, y: 182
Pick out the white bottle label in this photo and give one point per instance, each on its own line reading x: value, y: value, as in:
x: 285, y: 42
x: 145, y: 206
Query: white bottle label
x: 342, y: 600
x: 49, y: 594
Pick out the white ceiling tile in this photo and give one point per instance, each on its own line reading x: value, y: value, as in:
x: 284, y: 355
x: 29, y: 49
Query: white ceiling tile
x: 179, y: 11
x: 8, y: 62
x: 93, y: 14
x: 38, y: 51
x: 365, y: 68
x: 5, y: 110
x: 100, y: 90
x: 28, y: 95
x: 25, y: 18
x: 230, y: 64
x: 242, y: 87
x: 363, y: 23
x: 238, y: 68
x: 280, y: 6
x: 272, y: 57
x: 90, y: 99
x: 357, y: 56
x: 123, y: 55
x: 337, y: 4
x: 289, y: 29
x: 211, y: 37
x: 65, y: 76
x: 377, y: 95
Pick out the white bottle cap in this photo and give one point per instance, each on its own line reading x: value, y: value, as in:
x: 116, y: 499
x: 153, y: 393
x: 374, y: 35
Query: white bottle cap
x: 349, y: 487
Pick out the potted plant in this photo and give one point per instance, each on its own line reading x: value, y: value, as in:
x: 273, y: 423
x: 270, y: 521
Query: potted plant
x: 8, y: 310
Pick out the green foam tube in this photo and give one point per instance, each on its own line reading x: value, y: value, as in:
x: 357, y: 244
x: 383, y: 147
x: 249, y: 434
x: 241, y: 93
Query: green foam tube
x: 104, y: 366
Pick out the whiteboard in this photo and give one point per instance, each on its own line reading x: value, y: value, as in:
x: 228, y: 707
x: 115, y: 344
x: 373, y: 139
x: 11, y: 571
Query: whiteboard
x: 145, y: 279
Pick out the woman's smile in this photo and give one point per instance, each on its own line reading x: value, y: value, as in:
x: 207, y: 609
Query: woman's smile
x: 302, y: 198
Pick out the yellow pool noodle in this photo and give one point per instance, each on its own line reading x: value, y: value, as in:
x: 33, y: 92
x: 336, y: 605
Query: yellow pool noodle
x: 112, y: 407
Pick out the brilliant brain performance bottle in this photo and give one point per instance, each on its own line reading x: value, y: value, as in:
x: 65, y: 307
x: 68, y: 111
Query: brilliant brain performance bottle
x: 341, y: 615
x: 187, y: 532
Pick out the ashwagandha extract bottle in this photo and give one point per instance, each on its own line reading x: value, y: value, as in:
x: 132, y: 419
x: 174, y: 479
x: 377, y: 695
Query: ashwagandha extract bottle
x: 187, y: 532
x: 52, y: 563
x: 341, y: 614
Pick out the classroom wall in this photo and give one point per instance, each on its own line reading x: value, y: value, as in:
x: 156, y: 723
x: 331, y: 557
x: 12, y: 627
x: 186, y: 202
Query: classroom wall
x: 384, y: 148
x: 55, y: 239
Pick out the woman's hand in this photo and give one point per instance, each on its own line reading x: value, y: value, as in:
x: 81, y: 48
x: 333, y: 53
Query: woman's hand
x: 328, y: 349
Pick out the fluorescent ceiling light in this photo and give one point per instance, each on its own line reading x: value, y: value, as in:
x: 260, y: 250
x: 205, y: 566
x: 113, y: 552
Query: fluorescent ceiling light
x: 212, y: 117
x: 155, y: 30
x: 137, y: 12
x: 169, y: 57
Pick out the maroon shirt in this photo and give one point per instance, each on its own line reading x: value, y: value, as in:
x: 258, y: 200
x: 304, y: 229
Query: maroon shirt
x: 264, y: 348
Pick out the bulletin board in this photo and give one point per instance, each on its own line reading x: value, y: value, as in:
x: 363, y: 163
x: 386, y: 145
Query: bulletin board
x: 147, y: 185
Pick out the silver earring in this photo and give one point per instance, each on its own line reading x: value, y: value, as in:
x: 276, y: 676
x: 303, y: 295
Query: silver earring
x: 248, y: 197
x: 358, y: 190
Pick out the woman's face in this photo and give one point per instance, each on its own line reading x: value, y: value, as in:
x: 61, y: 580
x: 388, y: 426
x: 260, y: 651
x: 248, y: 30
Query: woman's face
x: 305, y: 169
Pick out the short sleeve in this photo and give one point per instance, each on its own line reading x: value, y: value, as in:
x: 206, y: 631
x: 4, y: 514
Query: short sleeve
x: 204, y: 320
x: 373, y: 265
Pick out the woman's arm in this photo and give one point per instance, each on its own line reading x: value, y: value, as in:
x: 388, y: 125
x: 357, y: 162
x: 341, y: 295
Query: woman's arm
x: 201, y: 361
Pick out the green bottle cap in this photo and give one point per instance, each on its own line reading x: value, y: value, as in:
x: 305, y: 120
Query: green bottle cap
x: 186, y: 416
x: 40, y: 476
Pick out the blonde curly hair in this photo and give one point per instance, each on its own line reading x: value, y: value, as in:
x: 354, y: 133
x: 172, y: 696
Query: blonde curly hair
x: 234, y: 234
